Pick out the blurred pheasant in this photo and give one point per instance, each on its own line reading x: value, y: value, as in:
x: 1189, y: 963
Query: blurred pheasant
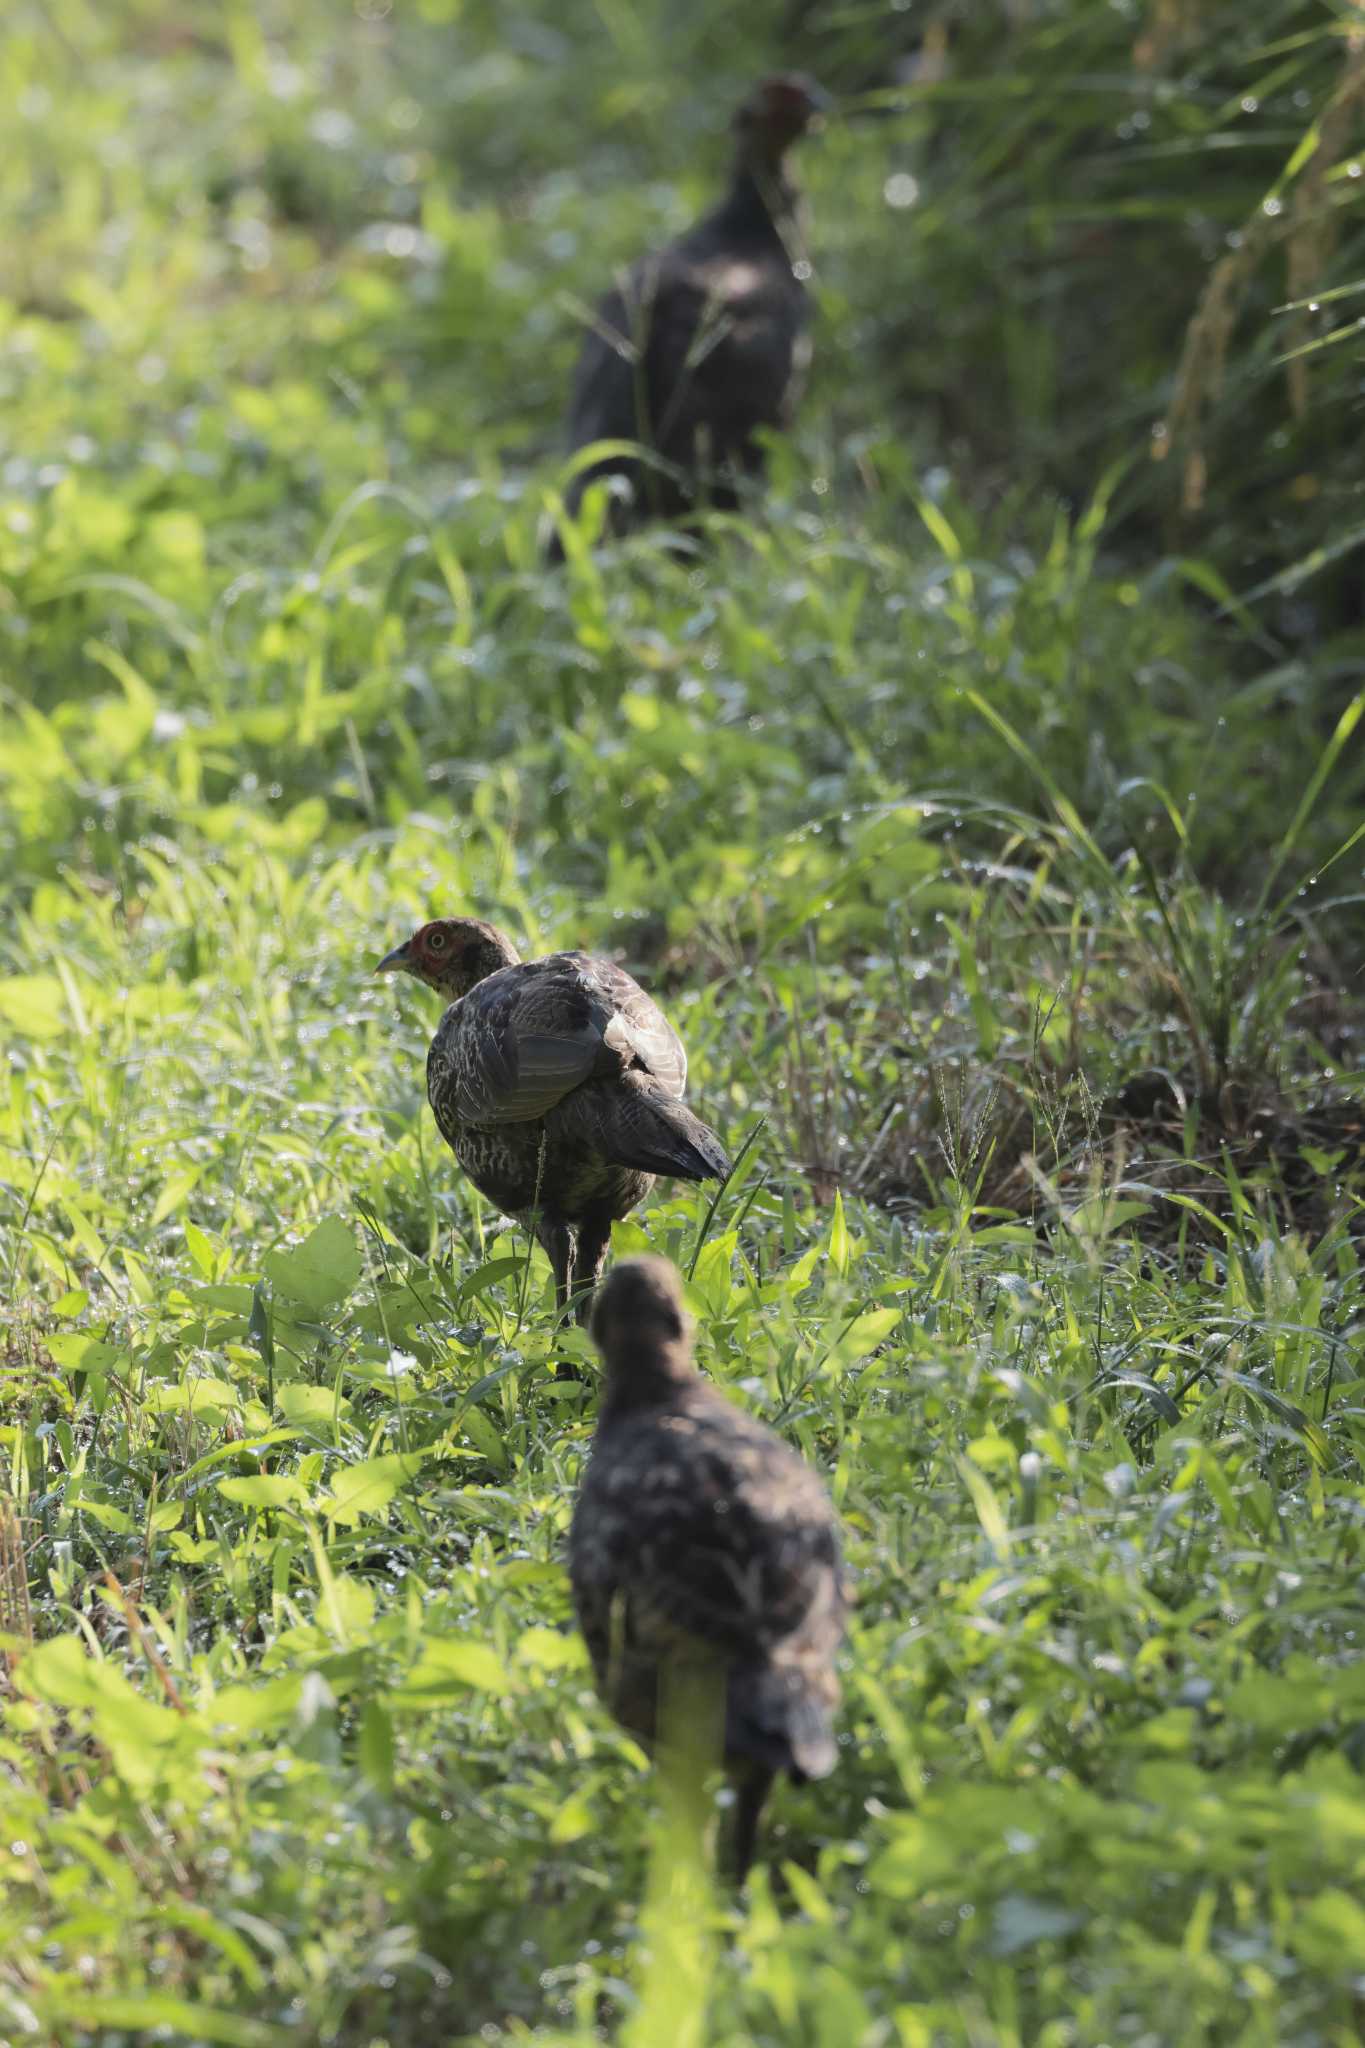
x: 700, y: 1542
x: 704, y: 343
x: 558, y: 1085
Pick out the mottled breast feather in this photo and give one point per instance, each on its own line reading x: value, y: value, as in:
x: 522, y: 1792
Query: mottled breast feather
x: 699, y: 1530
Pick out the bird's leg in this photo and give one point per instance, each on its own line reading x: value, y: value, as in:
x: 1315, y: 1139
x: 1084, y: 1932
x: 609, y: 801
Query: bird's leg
x: 751, y: 1789
x: 557, y: 1239
x: 594, y: 1235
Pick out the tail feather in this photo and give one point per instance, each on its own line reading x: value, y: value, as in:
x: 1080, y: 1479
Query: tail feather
x: 663, y: 1137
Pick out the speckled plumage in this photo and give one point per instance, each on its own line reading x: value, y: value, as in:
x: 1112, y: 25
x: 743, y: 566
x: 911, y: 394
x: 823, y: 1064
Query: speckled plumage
x: 699, y: 1536
x: 557, y: 1083
x: 704, y: 342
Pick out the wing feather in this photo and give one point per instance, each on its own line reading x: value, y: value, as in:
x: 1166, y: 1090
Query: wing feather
x: 526, y: 1037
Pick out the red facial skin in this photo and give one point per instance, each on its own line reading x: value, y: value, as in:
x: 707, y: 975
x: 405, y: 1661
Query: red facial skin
x: 779, y: 110
x: 451, y: 954
x: 435, y: 947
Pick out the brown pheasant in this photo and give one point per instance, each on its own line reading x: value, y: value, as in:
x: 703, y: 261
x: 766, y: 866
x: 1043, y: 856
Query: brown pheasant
x: 704, y: 343
x: 700, y: 1542
x: 557, y: 1084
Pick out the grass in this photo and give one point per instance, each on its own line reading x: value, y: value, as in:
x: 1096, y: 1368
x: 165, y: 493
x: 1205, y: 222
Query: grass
x: 1003, y: 880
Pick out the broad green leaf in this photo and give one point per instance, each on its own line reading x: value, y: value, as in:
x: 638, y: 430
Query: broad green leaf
x: 74, y: 1351
x: 178, y: 536
x: 133, y: 1727
x: 108, y: 1516
x: 200, y: 1250
x: 191, y: 1395
x: 34, y: 1005
x: 367, y: 1489
x: 572, y: 1820
x: 863, y: 1335
x: 1329, y: 1931
x: 448, y: 1668
x: 483, y: 1433
x: 63, y: 1669
x: 552, y: 1649
x: 253, y: 1707
x: 313, y: 1409
x: 1102, y: 1215
x: 799, y: 1275
x: 321, y: 1271
x: 262, y: 1490
x: 351, y: 1605
x: 711, y: 1279
x: 489, y: 1275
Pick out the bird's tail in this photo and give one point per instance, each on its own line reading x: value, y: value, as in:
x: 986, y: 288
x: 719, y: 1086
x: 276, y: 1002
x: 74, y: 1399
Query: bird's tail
x: 779, y: 1720
x: 659, y: 1135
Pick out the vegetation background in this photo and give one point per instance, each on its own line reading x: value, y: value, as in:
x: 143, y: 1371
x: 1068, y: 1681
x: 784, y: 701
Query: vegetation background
x: 988, y: 813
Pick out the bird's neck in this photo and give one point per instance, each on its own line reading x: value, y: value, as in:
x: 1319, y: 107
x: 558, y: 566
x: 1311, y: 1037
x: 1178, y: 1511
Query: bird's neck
x: 762, y: 199
x: 480, y: 960
x: 647, y: 1377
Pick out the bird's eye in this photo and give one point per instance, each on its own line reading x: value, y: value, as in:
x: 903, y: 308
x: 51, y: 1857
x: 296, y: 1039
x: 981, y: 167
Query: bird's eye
x: 437, y: 942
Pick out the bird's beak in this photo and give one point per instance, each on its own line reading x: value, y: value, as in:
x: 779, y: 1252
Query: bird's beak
x: 399, y: 961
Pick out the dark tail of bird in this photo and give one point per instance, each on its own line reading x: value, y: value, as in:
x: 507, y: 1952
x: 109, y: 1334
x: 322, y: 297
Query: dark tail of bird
x: 775, y: 1719
x: 661, y: 1136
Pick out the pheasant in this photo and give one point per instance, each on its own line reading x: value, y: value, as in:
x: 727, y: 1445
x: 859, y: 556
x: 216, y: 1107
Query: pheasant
x: 557, y: 1084
x: 704, y: 343
x: 701, y: 1544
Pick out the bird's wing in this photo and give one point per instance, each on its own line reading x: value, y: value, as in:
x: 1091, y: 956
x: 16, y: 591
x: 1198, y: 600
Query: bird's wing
x: 527, y: 1036
x: 638, y: 1027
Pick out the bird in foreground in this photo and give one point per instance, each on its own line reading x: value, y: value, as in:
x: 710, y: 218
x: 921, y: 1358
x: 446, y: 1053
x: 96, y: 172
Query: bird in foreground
x: 557, y: 1084
x: 704, y: 343
x: 700, y: 1541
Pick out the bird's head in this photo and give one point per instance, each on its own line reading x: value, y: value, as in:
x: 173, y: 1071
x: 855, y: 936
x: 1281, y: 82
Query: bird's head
x: 639, y: 1320
x: 451, y: 954
x: 778, y: 112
